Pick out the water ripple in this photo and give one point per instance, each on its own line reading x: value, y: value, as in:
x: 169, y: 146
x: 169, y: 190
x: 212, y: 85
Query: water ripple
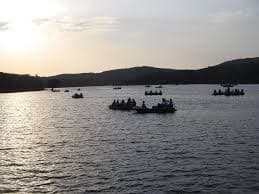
x: 50, y: 143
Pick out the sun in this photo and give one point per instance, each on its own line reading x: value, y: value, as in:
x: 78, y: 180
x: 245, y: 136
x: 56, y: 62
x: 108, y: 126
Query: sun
x: 21, y: 32
x: 20, y: 36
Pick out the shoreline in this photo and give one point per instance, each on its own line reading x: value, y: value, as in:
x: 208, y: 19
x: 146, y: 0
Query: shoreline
x: 62, y: 87
x: 21, y: 90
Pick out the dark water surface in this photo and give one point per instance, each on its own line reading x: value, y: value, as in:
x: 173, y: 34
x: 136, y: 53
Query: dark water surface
x: 50, y: 142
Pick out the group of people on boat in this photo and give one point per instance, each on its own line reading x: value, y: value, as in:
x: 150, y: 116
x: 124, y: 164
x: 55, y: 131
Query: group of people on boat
x: 151, y: 93
x: 123, y: 105
x: 229, y: 92
x: 167, y: 106
x: 54, y: 90
x: 117, y: 88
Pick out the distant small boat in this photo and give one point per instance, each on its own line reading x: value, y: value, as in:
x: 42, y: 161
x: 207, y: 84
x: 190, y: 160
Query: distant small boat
x: 54, y: 90
x: 76, y: 95
x: 78, y: 89
x: 159, y: 86
x: 117, y: 88
x: 151, y: 93
x: 147, y: 86
x: 129, y: 105
x: 66, y: 91
x: 228, y: 85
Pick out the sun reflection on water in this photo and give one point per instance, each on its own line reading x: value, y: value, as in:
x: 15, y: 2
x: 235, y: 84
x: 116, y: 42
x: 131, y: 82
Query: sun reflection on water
x: 20, y: 136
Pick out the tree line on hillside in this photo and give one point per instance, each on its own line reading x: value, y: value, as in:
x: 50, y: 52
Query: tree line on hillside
x: 16, y: 83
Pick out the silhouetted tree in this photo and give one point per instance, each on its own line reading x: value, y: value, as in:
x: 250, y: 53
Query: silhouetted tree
x: 13, y: 82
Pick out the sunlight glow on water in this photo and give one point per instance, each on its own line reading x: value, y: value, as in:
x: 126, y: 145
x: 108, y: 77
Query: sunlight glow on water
x: 50, y: 142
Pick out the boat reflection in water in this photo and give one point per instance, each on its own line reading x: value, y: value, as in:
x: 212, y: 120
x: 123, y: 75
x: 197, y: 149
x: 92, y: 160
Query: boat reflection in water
x: 117, y: 88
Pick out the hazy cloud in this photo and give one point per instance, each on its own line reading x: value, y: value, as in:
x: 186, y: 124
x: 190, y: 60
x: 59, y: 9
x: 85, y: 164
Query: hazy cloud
x: 3, y: 26
x: 229, y: 16
x: 40, y: 21
x: 95, y: 24
x: 72, y: 24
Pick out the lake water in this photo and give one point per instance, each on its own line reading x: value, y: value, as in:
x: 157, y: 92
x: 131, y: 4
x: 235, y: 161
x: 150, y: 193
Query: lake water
x: 50, y: 142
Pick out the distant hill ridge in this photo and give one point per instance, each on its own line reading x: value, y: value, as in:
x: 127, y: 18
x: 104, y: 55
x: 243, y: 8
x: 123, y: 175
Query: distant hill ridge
x: 234, y: 71
x: 243, y: 71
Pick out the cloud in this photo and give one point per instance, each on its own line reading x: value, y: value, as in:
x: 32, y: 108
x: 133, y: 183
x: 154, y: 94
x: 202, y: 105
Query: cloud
x: 91, y: 25
x: 229, y: 16
x: 40, y: 21
x: 95, y: 24
x: 72, y: 24
x: 3, y: 26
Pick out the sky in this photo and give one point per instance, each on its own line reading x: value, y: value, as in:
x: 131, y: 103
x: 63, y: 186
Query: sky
x: 49, y: 37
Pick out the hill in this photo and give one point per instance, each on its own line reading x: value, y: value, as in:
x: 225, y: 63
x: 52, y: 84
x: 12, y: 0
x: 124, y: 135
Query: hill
x: 242, y: 71
x: 236, y: 71
x: 135, y: 75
